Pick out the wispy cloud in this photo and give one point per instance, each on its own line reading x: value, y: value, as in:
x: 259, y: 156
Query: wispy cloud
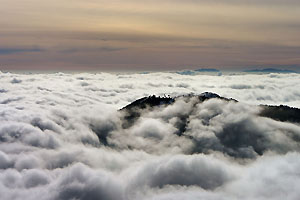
x: 96, y: 49
x: 6, y: 51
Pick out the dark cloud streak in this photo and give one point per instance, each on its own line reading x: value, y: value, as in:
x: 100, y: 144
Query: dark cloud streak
x: 7, y: 51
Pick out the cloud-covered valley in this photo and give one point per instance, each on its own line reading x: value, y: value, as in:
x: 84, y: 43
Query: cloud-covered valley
x: 63, y: 136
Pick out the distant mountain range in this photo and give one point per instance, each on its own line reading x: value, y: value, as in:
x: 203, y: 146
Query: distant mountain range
x: 196, y: 71
x: 212, y: 70
x: 270, y: 70
x: 207, y: 70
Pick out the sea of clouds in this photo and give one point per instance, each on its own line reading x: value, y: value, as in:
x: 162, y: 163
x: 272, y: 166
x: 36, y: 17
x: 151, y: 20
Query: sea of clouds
x: 62, y: 137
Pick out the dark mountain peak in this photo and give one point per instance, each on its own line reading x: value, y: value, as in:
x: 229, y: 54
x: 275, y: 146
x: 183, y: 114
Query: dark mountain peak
x: 134, y: 110
x: 204, y: 96
x: 150, y: 101
x: 153, y: 100
x: 281, y: 113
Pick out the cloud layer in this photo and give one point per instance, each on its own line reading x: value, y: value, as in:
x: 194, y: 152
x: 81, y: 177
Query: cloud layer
x: 62, y: 137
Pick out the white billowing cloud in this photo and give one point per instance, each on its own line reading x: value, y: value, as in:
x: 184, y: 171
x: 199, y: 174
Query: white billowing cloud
x: 62, y: 137
x: 120, y: 89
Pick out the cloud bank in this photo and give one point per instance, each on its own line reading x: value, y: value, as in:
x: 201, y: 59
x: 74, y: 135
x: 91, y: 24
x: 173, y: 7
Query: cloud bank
x: 62, y: 136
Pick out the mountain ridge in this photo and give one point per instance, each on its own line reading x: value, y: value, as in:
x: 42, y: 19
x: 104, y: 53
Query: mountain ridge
x: 280, y: 113
x: 270, y: 70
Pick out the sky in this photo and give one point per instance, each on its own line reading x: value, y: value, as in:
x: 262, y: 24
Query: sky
x: 149, y: 34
